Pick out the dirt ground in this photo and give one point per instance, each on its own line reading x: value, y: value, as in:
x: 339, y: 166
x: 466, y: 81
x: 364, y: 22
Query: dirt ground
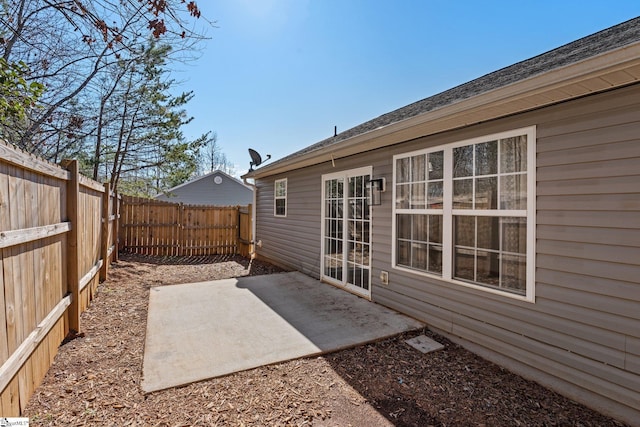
x: 95, y: 380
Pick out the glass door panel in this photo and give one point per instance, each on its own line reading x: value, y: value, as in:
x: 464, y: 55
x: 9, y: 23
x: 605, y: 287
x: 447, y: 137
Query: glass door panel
x: 358, y: 235
x: 333, y: 230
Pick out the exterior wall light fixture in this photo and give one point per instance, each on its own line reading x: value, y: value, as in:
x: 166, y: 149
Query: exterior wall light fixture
x: 375, y: 188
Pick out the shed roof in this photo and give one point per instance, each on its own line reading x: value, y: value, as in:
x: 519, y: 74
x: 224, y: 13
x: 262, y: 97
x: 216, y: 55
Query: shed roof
x: 599, y: 62
x: 200, y: 178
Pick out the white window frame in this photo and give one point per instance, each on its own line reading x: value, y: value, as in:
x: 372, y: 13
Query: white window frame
x: 276, y: 197
x: 449, y: 213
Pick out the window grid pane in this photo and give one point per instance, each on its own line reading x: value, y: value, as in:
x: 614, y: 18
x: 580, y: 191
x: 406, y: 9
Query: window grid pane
x: 418, y: 241
x: 419, y: 182
x: 491, y: 251
x: 499, y: 169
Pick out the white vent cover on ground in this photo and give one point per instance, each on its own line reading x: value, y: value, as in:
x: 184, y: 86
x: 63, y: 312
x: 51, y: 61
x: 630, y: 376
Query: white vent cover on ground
x: 424, y: 344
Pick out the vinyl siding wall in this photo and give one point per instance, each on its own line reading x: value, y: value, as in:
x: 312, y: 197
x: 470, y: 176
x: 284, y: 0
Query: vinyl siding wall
x: 581, y: 337
x: 206, y: 192
x: 292, y: 241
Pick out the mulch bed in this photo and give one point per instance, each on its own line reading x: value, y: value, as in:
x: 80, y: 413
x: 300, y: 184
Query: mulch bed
x: 95, y: 379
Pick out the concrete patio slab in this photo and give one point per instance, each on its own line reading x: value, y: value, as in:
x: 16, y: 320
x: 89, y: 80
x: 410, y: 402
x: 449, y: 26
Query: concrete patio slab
x: 205, y: 330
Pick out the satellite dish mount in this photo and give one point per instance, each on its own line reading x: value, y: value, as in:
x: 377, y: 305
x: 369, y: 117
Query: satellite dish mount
x: 256, y: 159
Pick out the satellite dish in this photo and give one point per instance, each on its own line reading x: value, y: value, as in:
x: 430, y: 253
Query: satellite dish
x: 256, y: 159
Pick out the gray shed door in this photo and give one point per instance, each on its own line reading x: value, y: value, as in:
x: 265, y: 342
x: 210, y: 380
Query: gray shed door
x: 346, y: 233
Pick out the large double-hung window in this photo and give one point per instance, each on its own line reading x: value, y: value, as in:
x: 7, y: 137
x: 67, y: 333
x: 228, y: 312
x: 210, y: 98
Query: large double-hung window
x: 465, y: 212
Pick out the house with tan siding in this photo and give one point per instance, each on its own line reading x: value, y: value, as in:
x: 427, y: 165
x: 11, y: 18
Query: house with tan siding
x: 504, y: 213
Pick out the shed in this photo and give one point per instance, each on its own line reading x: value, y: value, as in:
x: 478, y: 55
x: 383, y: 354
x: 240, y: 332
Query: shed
x: 216, y: 189
x: 509, y: 219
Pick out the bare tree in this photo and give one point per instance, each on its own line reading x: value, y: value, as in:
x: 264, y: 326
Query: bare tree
x: 212, y: 157
x: 68, y: 44
x: 107, y: 102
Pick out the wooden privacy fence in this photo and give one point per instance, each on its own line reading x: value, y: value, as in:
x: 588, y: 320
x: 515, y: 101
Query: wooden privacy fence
x: 58, y: 234
x: 153, y: 227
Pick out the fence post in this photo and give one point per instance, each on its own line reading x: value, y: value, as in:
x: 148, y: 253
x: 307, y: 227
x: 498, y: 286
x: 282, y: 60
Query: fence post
x: 250, y: 232
x: 105, y: 241
x: 73, y: 266
x: 116, y: 225
x: 181, y: 242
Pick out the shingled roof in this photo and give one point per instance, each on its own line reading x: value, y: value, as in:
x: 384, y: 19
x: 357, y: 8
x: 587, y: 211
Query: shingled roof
x: 606, y: 40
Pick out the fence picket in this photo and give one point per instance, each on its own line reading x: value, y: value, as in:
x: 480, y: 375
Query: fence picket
x: 4, y: 216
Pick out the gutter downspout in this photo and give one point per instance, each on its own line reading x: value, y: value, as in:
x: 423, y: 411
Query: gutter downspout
x: 253, y: 215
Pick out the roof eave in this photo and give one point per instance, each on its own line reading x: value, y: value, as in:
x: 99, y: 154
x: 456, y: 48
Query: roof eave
x: 615, y: 68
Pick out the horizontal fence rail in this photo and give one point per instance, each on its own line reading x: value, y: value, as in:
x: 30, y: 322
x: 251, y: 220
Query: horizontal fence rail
x: 58, y: 234
x: 152, y: 227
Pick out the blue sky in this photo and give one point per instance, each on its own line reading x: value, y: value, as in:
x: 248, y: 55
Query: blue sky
x: 278, y: 75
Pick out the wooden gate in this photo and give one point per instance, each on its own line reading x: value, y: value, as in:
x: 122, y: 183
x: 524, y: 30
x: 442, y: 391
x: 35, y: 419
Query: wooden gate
x: 245, y: 230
